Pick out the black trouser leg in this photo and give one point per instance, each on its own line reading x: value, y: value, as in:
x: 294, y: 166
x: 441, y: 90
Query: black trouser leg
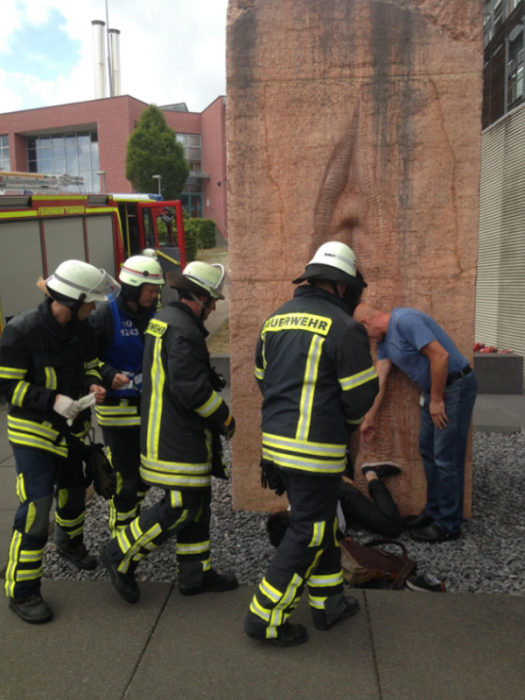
x: 123, y: 446
x: 176, y: 512
x: 381, y: 516
x: 71, y: 502
x: 308, y: 553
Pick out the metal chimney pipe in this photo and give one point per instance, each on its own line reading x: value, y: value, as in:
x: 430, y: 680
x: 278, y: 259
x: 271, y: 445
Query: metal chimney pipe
x: 99, y: 55
x: 114, y: 40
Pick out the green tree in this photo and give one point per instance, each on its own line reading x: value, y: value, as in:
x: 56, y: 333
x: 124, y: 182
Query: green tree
x: 153, y: 149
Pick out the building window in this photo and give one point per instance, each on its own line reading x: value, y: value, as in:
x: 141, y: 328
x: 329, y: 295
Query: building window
x: 4, y: 153
x: 192, y: 197
x: 498, y: 16
x: 515, y: 70
x: 74, y: 154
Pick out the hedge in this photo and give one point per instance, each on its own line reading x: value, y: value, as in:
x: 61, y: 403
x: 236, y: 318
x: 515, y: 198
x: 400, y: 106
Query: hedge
x: 204, y: 230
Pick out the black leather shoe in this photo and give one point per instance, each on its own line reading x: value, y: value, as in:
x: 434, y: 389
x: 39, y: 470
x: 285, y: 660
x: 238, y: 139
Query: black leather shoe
x: 421, y: 520
x: 32, y: 609
x: 382, y: 471
x: 125, y: 584
x: 212, y: 582
x: 80, y: 557
x: 432, y: 533
x: 352, y: 608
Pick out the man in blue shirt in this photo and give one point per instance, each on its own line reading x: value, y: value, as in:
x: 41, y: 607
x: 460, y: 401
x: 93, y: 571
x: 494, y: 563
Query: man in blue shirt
x: 415, y: 343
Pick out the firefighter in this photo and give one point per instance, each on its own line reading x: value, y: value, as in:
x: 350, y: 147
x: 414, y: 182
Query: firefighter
x: 180, y: 411
x: 120, y: 327
x: 315, y: 372
x: 47, y: 362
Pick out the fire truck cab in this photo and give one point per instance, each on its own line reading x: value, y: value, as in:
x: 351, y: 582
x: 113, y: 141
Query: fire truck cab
x: 38, y: 232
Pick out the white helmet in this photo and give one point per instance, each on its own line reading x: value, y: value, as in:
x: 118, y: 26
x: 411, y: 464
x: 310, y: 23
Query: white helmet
x: 199, y: 276
x: 333, y: 261
x: 141, y: 269
x: 75, y: 281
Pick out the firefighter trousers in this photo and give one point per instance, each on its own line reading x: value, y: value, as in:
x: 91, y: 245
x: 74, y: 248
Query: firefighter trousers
x: 40, y: 475
x: 123, y: 448
x: 184, y: 514
x: 308, y: 554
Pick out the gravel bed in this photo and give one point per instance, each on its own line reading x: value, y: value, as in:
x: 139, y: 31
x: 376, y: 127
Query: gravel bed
x: 488, y: 558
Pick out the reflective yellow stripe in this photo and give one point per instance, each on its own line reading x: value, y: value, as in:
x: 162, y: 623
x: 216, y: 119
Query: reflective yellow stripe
x: 51, y: 378
x: 117, y: 421
x: 31, y: 441
x: 318, y: 535
x: 21, y: 489
x: 293, y: 445
x: 289, y: 594
x: 182, y: 518
x: 178, y: 467
x: 92, y: 364
x: 12, y: 373
x: 211, y: 405
x: 269, y: 591
x: 259, y: 373
x: 176, y: 499
x: 356, y: 422
x: 158, y: 379
x: 119, y: 410
x: 69, y: 523
x: 326, y: 580
x: 94, y: 373
x: 32, y: 427
x: 257, y: 609
x: 28, y: 574
x: 195, y: 548
x: 175, y: 480
x: 29, y: 555
x: 317, y: 602
x: 357, y: 379
x: 310, y: 464
x: 19, y: 393
x: 13, y: 561
x: 307, y: 394
x: 134, y: 549
x: 314, y: 564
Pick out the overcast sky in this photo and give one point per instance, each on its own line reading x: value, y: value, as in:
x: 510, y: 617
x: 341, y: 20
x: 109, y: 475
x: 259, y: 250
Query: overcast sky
x: 171, y: 51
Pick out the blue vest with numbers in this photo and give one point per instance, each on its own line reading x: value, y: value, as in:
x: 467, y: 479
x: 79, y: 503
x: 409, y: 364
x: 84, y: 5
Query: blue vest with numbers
x: 125, y: 352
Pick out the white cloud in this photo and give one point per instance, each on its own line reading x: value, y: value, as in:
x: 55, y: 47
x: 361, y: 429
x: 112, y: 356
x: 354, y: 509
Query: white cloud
x: 171, y: 51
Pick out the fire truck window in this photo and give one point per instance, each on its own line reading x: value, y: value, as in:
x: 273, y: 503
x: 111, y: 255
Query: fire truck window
x: 147, y: 220
x: 128, y: 216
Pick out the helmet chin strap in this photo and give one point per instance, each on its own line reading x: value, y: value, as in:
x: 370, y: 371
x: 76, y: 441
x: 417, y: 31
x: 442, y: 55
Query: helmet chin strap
x: 204, y: 305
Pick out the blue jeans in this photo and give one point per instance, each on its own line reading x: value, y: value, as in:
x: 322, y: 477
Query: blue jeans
x: 443, y: 453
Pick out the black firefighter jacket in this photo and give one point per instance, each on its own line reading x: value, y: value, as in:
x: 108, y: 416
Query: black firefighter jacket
x: 180, y: 408
x: 39, y: 359
x: 314, y: 368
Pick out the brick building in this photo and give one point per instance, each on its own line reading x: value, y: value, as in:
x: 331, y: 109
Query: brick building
x: 86, y: 138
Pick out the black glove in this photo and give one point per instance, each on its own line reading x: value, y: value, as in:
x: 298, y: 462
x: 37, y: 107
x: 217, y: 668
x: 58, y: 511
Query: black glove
x: 217, y: 380
x: 228, y: 431
x: 271, y: 479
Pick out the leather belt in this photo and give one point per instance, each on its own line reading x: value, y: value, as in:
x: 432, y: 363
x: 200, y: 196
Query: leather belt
x: 453, y: 376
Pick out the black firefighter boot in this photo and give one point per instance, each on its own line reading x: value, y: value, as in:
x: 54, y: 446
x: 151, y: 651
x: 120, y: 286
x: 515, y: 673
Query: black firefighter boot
x: 125, y: 584
x: 210, y: 582
x: 74, y: 549
x: 32, y: 609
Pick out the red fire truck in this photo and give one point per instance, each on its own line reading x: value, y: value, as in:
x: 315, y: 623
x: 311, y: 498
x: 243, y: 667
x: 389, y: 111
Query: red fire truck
x: 39, y: 231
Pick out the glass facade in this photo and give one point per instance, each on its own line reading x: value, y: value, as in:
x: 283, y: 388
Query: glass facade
x: 192, y: 197
x: 74, y: 154
x: 4, y: 153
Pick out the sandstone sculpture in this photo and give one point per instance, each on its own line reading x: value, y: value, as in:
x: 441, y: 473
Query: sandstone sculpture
x: 356, y: 120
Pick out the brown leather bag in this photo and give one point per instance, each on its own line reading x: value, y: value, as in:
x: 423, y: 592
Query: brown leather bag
x: 362, y: 563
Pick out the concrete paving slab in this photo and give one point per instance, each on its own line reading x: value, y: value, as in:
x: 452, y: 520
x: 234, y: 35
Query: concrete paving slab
x: 8, y: 498
x: 199, y: 650
x: 89, y: 650
x: 499, y: 413
x: 8, y: 463
x: 448, y: 647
